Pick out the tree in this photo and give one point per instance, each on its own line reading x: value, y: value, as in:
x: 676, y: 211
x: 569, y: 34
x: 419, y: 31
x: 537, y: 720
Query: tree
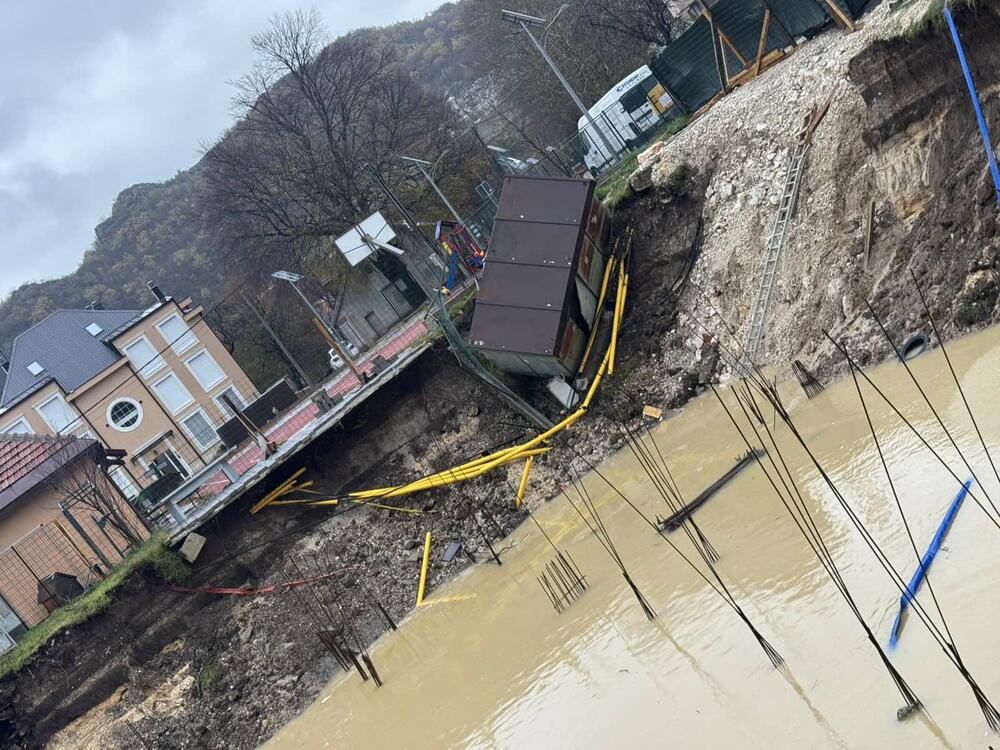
x: 84, y: 487
x: 648, y: 21
x: 522, y: 99
x: 289, y: 176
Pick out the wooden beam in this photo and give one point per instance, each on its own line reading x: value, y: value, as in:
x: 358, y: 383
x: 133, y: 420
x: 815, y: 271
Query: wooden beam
x: 729, y: 43
x: 723, y: 75
x: 839, y: 16
x: 765, y: 27
x: 725, y: 64
x: 777, y: 21
x: 766, y: 62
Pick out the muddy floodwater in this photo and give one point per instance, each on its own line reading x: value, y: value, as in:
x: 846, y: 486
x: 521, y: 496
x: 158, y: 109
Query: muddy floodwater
x: 487, y: 662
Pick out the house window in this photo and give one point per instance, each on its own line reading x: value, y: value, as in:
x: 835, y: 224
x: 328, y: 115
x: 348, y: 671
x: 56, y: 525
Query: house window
x: 176, y: 333
x: 143, y: 357
x: 201, y: 430
x: 94, y: 330
x: 11, y: 626
x: 167, y: 463
x: 205, y: 370
x: 56, y: 413
x: 234, y: 396
x: 125, y: 415
x: 35, y: 368
x: 19, y: 426
x: 172, y: 393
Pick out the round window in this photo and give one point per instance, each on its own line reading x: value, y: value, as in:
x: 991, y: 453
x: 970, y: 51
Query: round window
x: 125, y: 415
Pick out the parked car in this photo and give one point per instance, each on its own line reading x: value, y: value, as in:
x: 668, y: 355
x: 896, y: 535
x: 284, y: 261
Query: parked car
x: 336, y: 361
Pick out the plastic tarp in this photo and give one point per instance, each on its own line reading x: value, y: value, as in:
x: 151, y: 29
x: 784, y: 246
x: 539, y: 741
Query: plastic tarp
x: 800, y: 17
x: 742, y: 23
x: 687, y: 68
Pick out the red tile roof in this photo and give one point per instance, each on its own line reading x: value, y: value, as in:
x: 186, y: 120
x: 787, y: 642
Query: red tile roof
x: 20, y: 455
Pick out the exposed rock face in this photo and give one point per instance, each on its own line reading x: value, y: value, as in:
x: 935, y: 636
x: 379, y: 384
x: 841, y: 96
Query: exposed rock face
x: 899, y: 132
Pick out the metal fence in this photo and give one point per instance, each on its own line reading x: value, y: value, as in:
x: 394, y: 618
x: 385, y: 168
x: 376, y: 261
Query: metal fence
x: 55, y: 560
x: 193, y: 477
x: 599, y: 147
x: 733, y: 37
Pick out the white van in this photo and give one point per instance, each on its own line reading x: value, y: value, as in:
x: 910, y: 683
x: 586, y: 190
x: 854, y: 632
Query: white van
x: 631, y: 108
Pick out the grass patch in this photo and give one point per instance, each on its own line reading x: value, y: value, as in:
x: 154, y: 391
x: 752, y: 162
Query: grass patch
x: 208, y: 677
x: 933, y: 18
x: 153, y: 553
x: 616, y: 188
x: 968, y: 314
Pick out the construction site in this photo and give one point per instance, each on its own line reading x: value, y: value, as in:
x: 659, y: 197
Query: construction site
x: 674, y: 464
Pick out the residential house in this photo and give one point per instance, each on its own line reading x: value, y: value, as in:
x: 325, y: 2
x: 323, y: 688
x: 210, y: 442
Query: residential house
x: 53, y: 527
x: 153, y: 383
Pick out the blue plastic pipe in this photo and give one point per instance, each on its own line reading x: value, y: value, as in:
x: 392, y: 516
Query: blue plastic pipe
x: 977, y: 105
x: 926, y: 560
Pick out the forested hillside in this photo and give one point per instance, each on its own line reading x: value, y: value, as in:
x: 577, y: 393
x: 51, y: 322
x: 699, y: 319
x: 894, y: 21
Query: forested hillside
x: 192, y: 234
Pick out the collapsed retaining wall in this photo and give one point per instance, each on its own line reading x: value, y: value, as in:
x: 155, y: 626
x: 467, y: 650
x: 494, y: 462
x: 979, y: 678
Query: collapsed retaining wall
x: 900, y: 131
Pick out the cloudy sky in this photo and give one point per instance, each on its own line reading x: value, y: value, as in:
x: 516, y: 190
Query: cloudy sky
x: 96, y: 95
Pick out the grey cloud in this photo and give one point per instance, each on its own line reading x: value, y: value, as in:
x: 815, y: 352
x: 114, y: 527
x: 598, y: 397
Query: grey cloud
x: 95, y: 97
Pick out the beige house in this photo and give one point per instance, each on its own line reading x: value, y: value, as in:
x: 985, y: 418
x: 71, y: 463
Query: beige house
x: 155, y: 383
x: 62, y: 526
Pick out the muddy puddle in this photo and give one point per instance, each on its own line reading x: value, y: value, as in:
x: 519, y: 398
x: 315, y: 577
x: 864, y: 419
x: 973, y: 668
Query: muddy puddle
x: 487, y: 662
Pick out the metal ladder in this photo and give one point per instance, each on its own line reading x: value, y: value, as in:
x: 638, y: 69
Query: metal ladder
x: 786, y: 209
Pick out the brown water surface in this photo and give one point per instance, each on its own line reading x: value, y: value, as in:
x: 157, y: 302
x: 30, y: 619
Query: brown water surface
x: 487, y: 662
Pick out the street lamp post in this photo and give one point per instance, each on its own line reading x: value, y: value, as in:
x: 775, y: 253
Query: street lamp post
x: 526, y: 23
x: 422, y: 166
x: 324, y: 325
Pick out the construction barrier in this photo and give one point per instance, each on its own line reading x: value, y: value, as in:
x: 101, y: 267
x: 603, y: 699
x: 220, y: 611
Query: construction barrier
x: 736, y: 36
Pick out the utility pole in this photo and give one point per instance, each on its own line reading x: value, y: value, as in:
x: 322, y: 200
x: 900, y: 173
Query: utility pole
x: 277, y: 339
x: 408, y: 217
x: 323, y: 325
x: 526, y: 23
x: 422, y: 166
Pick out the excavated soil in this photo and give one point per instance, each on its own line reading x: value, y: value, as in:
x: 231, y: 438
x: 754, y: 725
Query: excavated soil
x: 900, y: 131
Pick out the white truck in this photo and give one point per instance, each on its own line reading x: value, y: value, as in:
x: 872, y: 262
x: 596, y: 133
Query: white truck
x: 635, y: 105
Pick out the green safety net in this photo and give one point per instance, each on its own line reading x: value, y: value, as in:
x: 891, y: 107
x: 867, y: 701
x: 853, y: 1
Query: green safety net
x: 689, y: 67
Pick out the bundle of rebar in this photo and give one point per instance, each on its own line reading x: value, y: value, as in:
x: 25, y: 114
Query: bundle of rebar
x: 810, y: 384
x: 562, y: 581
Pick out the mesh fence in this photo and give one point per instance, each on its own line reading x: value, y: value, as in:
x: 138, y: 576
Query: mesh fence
x: 55, y: 562
x: 600, y: 146
x: 693, y: 67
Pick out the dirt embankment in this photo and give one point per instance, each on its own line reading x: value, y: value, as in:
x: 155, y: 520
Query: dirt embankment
x: 226, y: 671
x: 901, y: 132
